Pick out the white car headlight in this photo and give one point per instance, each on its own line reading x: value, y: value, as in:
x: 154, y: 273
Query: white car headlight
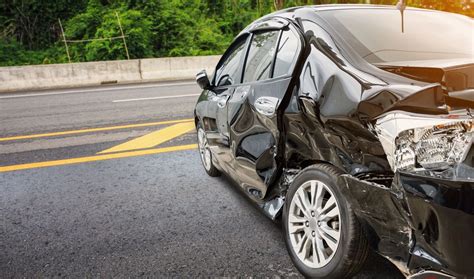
x: 434, y: 148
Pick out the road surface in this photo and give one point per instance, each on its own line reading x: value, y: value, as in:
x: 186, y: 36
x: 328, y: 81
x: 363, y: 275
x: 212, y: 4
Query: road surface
x: 87, y: 192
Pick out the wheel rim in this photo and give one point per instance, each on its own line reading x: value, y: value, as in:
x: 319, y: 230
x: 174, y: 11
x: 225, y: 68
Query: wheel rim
x: 314, y: 224
x: 204, y: 150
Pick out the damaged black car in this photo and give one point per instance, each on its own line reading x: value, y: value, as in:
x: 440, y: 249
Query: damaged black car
x: 354, y: 125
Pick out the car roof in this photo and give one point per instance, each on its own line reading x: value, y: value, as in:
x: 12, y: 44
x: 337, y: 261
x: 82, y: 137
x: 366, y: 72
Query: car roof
x: 328, y: 7
x: 288, y: 13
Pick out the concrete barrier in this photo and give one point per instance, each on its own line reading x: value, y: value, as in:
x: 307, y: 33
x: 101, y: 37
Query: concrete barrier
x: 97, y: 73
x: 177, y: 68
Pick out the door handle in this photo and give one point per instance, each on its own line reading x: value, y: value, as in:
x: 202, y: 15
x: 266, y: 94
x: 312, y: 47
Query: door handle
x: 266, y: 105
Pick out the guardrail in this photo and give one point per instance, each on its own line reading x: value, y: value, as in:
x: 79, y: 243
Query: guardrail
x: 96, y: 73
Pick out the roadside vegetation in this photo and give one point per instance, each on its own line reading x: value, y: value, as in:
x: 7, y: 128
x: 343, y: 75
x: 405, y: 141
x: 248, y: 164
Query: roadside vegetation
x: 30, y: 32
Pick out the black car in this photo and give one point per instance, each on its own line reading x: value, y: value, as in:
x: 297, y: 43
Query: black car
x: 354, y: 125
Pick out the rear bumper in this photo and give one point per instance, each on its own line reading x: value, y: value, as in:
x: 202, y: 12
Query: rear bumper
x: 441, y: 213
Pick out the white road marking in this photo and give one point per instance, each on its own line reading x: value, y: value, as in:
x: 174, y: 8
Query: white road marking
x: 115, y: 88
x: 155, y: 98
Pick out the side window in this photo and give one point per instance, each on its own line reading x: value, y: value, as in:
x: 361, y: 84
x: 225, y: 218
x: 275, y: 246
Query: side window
x: 288, y: 51
x: 260, y: 57
x: 229, y: 72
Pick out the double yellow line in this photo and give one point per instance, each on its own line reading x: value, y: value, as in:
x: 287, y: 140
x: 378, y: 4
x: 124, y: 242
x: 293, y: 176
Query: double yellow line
x: 135, y: 147
x: 93, y: 130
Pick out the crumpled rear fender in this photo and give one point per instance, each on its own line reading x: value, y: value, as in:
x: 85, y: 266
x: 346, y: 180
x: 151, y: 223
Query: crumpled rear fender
x: 383, y: 214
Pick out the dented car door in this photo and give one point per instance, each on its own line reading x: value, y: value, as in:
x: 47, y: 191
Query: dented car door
x: 253, y: 109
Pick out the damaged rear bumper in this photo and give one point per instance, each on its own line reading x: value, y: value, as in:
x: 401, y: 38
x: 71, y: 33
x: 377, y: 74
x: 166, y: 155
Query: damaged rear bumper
x: 441, y: 213
x: 422, y: 224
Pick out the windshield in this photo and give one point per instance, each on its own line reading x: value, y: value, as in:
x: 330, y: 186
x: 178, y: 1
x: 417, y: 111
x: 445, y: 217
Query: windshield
x: 376, y: 34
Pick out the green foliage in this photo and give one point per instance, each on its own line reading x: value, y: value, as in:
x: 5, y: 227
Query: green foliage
x: 35, y: 23
x: 30, y: 31
x: 97, y: 22
x: 12, y: 53
x: 182, y: 29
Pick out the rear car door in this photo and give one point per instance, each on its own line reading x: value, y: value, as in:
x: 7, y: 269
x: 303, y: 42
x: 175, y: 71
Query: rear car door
x: 255, y: 105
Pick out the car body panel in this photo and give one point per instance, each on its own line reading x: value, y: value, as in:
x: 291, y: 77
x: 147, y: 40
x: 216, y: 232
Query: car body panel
x: 245, y: 135
x: 442, y: 215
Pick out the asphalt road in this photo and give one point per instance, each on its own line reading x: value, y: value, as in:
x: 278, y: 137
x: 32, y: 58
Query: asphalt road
x: 156, y: 215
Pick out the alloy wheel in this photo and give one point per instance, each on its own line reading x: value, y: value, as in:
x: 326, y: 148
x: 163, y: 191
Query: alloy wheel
x: 314, y: 224
x: 204, y: 150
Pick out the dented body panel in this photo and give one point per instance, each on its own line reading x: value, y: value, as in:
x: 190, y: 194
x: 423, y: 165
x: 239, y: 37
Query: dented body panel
x: 336, y: 108
x: 442, y: 218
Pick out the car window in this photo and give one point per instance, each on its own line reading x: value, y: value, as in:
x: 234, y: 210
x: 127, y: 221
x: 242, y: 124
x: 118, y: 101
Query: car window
x: 260, y: 57
x: 427, y: 35
x: 288, y: 51
x: 229, y: 72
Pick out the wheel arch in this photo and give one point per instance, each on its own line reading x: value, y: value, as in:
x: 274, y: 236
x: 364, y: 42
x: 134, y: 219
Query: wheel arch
x: 196, y: 119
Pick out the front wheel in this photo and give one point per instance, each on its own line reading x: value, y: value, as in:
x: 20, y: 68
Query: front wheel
x: 205, y: 152
x: 322, y: 234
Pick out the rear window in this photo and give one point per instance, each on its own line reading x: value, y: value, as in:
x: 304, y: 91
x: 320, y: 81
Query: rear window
x: 376, y: 34
x: 260, y: 57
x: 287, y: 54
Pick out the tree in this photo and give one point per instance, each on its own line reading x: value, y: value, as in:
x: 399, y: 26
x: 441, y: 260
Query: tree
x: 33, y: 23
x: 30, y: 33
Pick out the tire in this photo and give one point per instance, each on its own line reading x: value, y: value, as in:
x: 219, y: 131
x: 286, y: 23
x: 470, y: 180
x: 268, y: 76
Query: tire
x: 334, y: 226
x: 205, y: 153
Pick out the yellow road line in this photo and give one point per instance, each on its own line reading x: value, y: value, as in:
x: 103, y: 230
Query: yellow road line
x: 153, y: 139
x: 94, y: 130
x: 97, y: 158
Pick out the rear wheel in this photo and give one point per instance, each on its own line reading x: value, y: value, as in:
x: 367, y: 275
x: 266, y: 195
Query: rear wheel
x: 322, y: 234
x: 205, y: 153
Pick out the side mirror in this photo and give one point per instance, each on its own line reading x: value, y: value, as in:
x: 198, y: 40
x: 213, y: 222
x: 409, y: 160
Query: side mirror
x: 203, y: 80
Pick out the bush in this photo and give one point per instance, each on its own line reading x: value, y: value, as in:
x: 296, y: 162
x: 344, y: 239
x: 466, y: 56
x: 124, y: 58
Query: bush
x: 101, y: 22
x: 137, y: 29
x: 13, y: 53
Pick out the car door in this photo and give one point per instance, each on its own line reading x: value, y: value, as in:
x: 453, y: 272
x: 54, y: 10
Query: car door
x: 253, y: 108
x: 227, y: 76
